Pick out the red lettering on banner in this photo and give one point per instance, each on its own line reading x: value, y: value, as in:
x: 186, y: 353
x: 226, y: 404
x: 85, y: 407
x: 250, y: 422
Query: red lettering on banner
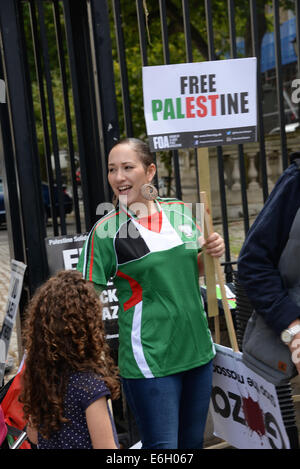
x: 190, y: 106
x: 213, y: 98
x: 203, y: 109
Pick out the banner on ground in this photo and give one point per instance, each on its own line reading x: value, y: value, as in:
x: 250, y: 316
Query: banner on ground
x: 63, y: 253
x: 200, y: 104
x: 13, y: 300
x: 244, y: 406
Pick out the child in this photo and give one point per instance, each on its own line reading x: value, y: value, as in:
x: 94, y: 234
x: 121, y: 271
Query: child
x: 68, y: 371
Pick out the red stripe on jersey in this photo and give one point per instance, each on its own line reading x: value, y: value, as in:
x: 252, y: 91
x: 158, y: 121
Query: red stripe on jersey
x: 137, y: 291
x: 92, y: 247
x: 152, y: 222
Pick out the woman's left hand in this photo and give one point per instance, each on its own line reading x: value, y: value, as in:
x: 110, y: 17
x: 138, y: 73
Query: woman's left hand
x: 214, y: 245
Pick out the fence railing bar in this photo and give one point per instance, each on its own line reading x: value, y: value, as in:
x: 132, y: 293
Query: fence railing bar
x: 189, y: 58
x: 279, y: 79
x: 55, y: 147
x: 243, y: 188
x: 62, y: 66
x: 175, y: 157
x: 166, y: 54
x: 143, y: 48
x: 232, y: 34
x: 232, y: 31
x: 46, y: 137
x: 23, y: 147
x: 77, y: 110
x: 142, y: 31
x: 164, y: 31
x: 123, y: 67
x: 211, y: 56
x: 187, y: 30
x: 261, y: 133
x: 210, y: 31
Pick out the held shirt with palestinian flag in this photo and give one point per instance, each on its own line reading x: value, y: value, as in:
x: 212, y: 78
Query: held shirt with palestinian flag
x: 163, y: 328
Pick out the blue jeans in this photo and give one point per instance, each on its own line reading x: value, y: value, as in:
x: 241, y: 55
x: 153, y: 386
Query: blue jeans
x: 171, y: 412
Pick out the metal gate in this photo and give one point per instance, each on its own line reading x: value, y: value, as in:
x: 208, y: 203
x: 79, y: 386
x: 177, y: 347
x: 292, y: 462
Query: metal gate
x: 72, y: 73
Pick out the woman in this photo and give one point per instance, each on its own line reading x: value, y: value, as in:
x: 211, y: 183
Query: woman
x: 150, y: 247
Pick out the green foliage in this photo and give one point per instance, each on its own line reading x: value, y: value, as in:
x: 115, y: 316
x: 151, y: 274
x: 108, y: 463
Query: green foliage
x: 155, y: 55
x: 56, y: 84
x: 176, y: 40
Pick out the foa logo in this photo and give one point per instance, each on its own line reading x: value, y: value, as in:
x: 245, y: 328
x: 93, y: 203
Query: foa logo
x: 2, y: 91
x: 161, y: 142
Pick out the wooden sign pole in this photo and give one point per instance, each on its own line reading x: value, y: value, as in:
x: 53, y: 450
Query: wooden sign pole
x: 210, y: 276
x: 218, y: 269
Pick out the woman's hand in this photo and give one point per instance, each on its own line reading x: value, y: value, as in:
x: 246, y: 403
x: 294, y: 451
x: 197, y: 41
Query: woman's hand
x: 214, y: 245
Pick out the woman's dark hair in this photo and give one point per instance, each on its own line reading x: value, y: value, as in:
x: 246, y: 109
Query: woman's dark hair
x: 64, y: 333
x: 141, y: 148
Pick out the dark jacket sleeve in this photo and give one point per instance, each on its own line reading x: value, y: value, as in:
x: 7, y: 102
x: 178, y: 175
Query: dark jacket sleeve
x: 258, y: 262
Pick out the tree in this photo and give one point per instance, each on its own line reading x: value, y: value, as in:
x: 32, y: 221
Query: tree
x: 177, y: 49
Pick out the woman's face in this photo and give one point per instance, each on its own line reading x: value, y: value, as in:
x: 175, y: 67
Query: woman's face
x: 126, y: 174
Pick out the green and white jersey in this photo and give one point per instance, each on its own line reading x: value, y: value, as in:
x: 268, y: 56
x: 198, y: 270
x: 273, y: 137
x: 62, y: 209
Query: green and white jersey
x: 163, y: 328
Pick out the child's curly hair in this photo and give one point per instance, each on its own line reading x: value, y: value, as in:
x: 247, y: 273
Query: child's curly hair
x: 64, y: 333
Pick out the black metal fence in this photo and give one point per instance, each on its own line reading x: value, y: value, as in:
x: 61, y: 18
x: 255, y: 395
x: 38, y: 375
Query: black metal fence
x: 73, y: 78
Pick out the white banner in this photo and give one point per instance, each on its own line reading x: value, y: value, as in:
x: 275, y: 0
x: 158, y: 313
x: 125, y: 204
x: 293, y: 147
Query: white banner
x: 14, y: 295
x: 244, y: 406
x: 63, y: 252
x: 200, y: 104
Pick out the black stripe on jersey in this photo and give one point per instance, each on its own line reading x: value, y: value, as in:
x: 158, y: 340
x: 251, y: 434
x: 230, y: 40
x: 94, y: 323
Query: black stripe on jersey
x: 129, y: 244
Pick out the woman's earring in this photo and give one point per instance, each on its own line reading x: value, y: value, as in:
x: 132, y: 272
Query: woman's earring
x: 149, y: 192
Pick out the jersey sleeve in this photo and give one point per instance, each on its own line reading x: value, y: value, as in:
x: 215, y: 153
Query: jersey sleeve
x: 97, y: 261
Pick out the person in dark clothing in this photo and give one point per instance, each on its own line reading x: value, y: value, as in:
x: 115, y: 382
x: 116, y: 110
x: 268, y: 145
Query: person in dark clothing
x: 265, y: 276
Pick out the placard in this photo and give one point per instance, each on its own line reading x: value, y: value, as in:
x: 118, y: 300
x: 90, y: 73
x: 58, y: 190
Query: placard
x: 244, y: 406
x: 200, y: 104
x: 63, y: 252
x: 14, y: 295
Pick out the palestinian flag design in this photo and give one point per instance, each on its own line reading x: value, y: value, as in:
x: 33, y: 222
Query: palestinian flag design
x: 153, y: 262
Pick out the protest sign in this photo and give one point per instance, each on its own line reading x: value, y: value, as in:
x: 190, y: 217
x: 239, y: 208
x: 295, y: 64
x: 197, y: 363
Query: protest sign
x: 244, y: 406
x: 14, y: 295
x: 63, y: 253
x: 200, y: 104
